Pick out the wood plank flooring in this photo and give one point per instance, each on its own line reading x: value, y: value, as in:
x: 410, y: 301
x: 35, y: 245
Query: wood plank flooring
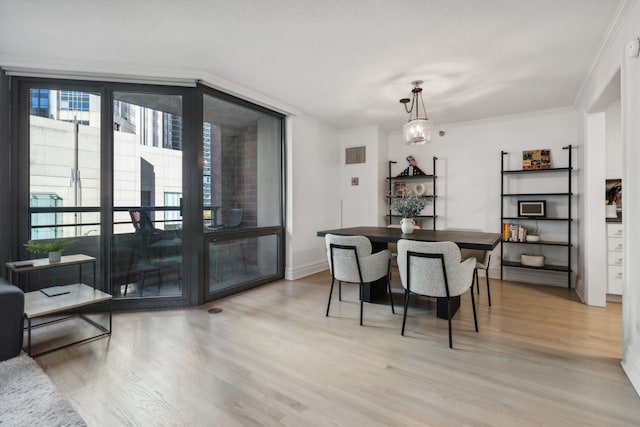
x: 272, y: 358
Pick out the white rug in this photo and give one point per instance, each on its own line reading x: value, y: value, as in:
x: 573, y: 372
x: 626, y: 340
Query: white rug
x: 29, y: 398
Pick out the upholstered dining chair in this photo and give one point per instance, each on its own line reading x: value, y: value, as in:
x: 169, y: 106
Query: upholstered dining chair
x: 351, y: 261
x: 434, y: 269
x: 483, y: 258
x: 232, y: 219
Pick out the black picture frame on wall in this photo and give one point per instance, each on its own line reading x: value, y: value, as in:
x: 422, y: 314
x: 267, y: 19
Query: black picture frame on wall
x: 532, y: 208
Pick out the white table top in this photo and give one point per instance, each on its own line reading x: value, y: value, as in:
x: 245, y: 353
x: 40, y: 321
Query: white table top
x: 37, y: 304
x: 39, y: 263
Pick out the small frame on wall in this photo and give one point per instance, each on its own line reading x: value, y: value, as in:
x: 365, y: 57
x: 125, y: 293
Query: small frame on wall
x: 532, y: 208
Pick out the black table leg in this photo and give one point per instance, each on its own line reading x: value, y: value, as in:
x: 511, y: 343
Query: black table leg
x: 441, y: 307
x: 377, y: 291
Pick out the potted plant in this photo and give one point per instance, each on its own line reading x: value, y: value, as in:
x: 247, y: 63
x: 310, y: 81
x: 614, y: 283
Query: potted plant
x: 408, y: 206
x: 54, y: 248
x: 532, y: 236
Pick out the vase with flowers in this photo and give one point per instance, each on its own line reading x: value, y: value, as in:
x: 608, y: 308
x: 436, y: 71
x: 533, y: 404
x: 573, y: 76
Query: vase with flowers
x: 408, y: 206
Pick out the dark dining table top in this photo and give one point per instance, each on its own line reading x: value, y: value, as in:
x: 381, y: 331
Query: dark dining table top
x: 464, y: 239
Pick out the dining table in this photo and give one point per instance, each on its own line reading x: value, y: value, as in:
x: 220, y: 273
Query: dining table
x: 380, y: 238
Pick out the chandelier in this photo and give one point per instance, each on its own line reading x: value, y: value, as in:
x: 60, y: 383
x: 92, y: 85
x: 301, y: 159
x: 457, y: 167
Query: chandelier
x: 417, y: 130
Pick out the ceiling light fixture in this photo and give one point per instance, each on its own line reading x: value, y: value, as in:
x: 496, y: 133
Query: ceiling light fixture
x: 417, y: 130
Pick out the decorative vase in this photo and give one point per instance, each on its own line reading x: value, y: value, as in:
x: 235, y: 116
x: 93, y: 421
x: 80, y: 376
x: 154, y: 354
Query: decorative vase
x: 533, y: 238
x: 55, y: 256
x: 407, y: 225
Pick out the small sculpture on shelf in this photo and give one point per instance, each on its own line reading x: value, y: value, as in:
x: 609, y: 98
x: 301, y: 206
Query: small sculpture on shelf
x: 412, y: 169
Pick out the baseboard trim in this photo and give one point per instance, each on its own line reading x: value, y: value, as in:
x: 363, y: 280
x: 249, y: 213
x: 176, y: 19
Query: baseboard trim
x: 614, y: 298
x: 631, y: 366
x: 305, y: 270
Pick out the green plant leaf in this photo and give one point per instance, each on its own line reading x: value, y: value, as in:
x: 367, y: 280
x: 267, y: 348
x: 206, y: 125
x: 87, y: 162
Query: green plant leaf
x: 409, y: 205
x: 37, y: 247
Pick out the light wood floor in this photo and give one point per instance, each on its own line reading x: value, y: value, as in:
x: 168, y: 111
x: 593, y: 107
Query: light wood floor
x: 272, y: 358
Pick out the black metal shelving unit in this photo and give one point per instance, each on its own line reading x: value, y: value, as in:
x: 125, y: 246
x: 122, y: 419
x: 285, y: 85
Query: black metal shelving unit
x: 430, y: 177
x: 505, y: 174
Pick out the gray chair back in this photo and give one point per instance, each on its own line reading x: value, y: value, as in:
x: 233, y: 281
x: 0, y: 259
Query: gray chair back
x: 234, y: 217
x: 426, y: 276
x: 346, y: 267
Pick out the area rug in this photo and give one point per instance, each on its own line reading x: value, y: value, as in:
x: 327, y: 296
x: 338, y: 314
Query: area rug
x: 29, y: 398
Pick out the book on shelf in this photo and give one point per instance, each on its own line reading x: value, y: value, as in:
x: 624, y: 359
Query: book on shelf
x: 513, y: 233
x: 22, y: 264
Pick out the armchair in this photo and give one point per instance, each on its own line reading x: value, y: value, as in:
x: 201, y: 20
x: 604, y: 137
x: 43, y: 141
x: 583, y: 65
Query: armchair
x: 434, y: 269
x: 483, y: 258
x: 351, y: 261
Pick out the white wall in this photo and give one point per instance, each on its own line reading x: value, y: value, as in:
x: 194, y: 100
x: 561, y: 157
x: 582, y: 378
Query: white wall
x: 631, y: 209
x: 313, y: 193
x: 613, y: 151
x: 612, y: 60
x: 361, y: 204
x: 592, y: 284
x: 468, y: 171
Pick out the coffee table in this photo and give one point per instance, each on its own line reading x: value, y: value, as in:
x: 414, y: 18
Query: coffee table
x: 37, y: 305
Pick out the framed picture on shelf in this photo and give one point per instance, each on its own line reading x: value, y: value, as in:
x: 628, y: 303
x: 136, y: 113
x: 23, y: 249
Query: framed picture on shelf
x: 399, y: 188
x: 422, y: 189
x: 532, y: 208
x: 536, y: 159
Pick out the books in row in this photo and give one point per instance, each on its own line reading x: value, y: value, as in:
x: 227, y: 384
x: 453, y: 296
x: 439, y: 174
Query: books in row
x: 513, y: 233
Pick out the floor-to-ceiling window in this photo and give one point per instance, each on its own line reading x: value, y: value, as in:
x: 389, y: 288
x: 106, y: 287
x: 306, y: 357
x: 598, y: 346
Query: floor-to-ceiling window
x: 147, y: 187
x: 64, y: 127
x: 242, y: 194
x: 112, y: 167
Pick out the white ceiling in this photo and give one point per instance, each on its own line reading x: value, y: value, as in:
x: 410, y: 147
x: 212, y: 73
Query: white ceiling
x: 345, y: 62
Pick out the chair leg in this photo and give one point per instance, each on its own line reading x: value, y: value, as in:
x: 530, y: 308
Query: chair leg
x: 449, y: 320
x: 330, y: 292
x: 475, y: 275
x: 339, y: 290
x: 406, y: 304
x: 361, y: 302
x: 488, y: 289
x: 473, y: 304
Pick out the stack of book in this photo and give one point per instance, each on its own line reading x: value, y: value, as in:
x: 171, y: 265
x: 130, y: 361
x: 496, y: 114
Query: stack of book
x: 513, y: 233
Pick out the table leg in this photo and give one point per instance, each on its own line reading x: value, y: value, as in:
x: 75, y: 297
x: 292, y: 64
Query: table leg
x: 375, y: 291
x: 29, y: 336
x: 441, y: 307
